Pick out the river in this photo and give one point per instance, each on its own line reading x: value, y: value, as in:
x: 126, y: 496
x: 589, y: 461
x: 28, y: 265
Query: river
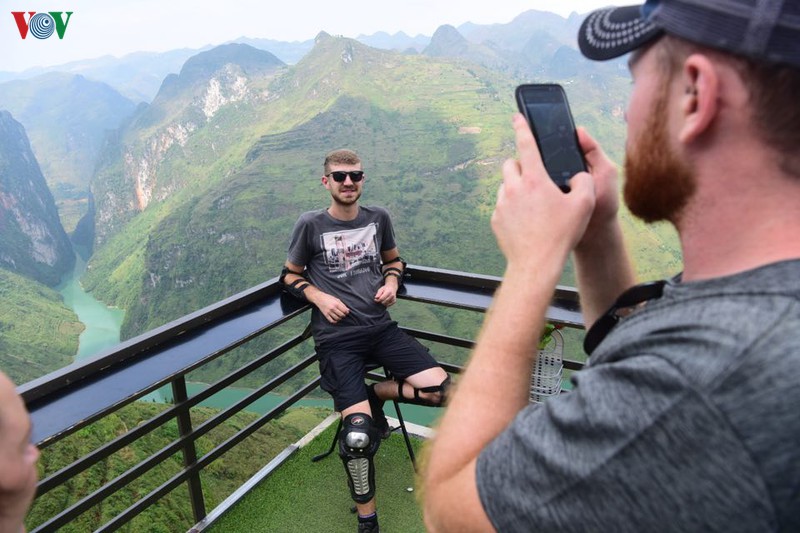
x: 102, y: 332
x: 102, y: 323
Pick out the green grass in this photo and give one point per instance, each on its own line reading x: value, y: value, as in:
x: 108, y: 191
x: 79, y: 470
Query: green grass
x: 301, y: 496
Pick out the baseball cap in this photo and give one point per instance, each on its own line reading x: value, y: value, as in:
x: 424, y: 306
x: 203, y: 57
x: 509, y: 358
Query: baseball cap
x: 764, y: 30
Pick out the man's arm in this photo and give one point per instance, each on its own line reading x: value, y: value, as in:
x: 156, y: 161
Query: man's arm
x: 392, y: 270
x: 332, y: 308
x: 536, y: 226
x: 602, y: 265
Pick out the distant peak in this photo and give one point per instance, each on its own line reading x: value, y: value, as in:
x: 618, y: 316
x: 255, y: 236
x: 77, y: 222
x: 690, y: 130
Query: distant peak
x: 447, y: 35
x: 322, y: 37
x: 446, y: 30
x: 204, y: 64
x: 446, y: 41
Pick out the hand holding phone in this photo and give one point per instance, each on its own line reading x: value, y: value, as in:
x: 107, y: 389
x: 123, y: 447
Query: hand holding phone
x: 546, y: 109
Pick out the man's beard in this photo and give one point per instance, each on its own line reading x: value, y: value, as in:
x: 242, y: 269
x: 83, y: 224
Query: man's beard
x: 342, y: 200
x: 658, y: 184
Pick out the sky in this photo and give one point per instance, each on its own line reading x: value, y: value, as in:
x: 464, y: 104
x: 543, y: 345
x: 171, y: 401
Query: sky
x: 119, y: 27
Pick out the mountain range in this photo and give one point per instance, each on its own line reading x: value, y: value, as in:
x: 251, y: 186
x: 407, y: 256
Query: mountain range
x: 193, y: 195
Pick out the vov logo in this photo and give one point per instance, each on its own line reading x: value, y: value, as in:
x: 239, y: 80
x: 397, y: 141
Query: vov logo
x: 42, y: 25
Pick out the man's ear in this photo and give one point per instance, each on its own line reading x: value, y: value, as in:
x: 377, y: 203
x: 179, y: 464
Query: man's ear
x: 325, y: 181
x: 700, y: 99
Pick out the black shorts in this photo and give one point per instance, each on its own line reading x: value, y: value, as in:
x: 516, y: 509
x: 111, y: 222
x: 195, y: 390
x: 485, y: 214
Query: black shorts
x: 343, y: 360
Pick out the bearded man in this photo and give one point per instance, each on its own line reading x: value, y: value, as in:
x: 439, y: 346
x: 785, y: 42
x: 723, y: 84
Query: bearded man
x: 685, y: 417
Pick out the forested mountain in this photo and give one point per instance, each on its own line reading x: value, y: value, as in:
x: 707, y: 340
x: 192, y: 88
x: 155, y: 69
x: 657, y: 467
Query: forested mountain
x: 216, y: 218
x: 34, y: 243
x: 135, y: 170
x: 197, y: 191
x: 199, y: 185
x: 67, y: 118
x: 198, y: 196
x: 448, y: 42
x: 37, y: 333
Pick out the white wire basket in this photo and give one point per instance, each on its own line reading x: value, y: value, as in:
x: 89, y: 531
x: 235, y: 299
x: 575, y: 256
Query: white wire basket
x: 548, y: 370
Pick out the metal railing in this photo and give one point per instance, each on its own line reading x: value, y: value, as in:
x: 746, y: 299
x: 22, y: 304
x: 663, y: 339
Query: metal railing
x: 65, y: 401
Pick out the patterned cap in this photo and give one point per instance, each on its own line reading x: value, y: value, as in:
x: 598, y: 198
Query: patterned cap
x: 763, y: 30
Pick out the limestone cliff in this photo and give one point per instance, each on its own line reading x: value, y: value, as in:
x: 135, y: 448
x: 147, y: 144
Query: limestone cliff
x: 34, y: 243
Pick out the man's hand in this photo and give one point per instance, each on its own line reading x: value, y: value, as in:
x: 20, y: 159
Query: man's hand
x: 387, y: 294
x: 604, y: 173
x: 602, y: 266
x: 331, y: 307
x: 536, y: 226
x: 532, y: 216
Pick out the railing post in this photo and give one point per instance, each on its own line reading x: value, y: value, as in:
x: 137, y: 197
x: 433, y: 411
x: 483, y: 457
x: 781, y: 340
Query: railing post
x: 179, y: 395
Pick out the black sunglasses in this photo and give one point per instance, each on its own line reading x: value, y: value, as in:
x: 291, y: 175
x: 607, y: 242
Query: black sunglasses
x: 339, y: 176
x: 623, y: 306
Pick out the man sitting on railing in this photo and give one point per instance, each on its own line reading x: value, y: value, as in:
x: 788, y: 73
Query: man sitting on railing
x: 686, y: 416
x: 17, y: 459
x: 345, y: 262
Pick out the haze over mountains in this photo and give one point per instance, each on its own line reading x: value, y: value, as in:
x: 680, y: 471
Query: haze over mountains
x: 188, y: 195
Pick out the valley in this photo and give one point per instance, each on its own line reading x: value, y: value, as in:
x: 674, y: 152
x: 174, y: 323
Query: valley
x: 179, y: 175
x: 189, y: 198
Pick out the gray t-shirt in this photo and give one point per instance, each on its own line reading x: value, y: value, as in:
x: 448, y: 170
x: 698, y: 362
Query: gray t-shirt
x: 686, y: 419
x: 343, y: 258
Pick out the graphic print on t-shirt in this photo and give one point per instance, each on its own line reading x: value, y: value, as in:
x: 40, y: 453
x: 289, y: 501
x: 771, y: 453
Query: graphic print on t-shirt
x: 345, y: 250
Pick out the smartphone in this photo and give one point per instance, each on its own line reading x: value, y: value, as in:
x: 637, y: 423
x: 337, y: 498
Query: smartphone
x: 547, y: 111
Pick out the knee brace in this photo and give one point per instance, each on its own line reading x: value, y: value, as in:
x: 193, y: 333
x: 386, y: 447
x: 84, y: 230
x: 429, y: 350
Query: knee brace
x: 441, y: 388
x: 358, y: 443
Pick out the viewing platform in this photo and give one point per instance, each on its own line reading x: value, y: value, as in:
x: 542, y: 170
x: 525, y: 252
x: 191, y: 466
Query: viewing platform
x: 125, y: 445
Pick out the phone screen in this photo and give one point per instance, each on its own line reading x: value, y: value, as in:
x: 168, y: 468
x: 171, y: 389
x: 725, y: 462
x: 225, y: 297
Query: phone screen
x: 546, y: 108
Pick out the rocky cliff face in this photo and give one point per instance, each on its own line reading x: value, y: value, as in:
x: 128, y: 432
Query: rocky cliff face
x: 32, y: 241
x: 186, y: 104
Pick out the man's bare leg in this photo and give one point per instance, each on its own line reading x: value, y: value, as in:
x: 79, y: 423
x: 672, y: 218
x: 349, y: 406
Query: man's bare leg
x: 432, y: 377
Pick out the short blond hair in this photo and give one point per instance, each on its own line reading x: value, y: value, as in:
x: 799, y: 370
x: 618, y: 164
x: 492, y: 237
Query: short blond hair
x: 340, y: 157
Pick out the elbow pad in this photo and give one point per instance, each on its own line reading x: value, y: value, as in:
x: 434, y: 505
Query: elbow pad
x: 394, y: 270
x: 296, y: 287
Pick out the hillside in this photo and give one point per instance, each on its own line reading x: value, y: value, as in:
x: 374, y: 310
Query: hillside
x: 173, y: 513
x: 135, y: 167
x: 37, y: 333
